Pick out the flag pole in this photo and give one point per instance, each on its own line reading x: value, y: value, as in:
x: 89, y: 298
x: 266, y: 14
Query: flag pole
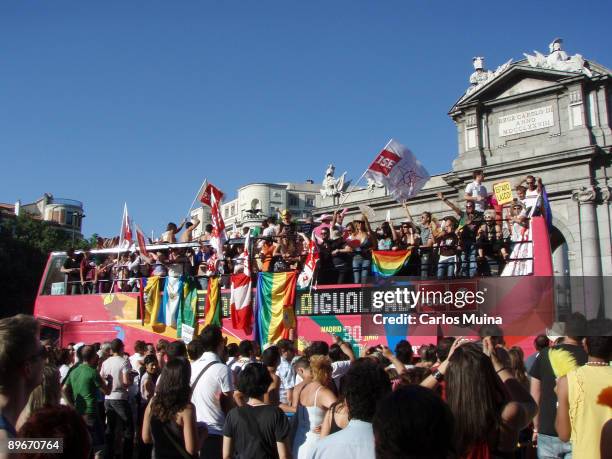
x: 360, y: 178
x: 196, y: 197
x: 353, y: 186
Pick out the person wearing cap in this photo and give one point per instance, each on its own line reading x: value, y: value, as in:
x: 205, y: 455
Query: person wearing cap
x: 326, y: 272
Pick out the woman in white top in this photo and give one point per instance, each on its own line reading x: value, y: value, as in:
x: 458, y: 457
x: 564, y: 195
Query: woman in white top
x: 148, y: 379
x: 313, y: 401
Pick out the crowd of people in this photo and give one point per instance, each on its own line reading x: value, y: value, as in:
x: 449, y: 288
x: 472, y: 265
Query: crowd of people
x: 458, y: 398
x: 477, y: 240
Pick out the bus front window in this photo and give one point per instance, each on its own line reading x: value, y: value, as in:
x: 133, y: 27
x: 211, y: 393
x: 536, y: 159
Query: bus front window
x: 55, y: 281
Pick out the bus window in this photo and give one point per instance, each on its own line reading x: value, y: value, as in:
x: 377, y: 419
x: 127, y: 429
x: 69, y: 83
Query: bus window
x: 50, y: 333
x: 55, y: 282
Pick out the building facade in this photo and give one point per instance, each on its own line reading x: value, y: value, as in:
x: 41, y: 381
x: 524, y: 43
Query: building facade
x: 547, y: 116
x: 258, y: 201
x: 67, y: 214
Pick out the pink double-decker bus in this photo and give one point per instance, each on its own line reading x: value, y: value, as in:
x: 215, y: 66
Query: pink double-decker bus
x: 524, y: 304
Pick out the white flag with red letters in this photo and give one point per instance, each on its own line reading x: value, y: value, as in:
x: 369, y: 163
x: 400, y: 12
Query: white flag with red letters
x: 399, y: 170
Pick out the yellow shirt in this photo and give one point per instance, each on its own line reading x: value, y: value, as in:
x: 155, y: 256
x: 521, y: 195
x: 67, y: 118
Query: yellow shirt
x: 586, y: 415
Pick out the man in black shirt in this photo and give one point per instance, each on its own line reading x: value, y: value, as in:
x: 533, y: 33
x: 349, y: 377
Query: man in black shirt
x: 341, y: 258
x: 544, y: 376
x: 72, y: 269
x: 326, y: 269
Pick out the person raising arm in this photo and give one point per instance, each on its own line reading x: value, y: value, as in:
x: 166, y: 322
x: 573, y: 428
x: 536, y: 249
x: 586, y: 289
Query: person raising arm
x: 450, y: 204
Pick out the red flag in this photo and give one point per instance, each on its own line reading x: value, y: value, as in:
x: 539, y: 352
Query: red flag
x: 214, y: 197
x: 241, y: 308
x: 142, y: 242
x: 307, y: 274
x: 385, y: 162
x: 209, y: 192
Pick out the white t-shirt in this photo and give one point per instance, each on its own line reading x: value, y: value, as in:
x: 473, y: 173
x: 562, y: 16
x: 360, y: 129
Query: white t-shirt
x: 475, y: 189
x: 144, y: 393
x: 116, y: 366
x: 286, y: 373
x: 207, y: 394
x: 531, y: 199
x: 134, y: 361
x: 63, y: 371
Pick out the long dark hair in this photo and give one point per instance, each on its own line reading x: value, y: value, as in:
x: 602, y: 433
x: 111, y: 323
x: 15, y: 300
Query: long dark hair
x: 173, y: 393
x: 413, y: 422
x: 517, y: 365
x: 475, y: 396
x: 386, y: 230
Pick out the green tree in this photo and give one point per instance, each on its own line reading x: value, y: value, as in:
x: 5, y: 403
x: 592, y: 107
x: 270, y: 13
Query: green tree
x: 25, y: 244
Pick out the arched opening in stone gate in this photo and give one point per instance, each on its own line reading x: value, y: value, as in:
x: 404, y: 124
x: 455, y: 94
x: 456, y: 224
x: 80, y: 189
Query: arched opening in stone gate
x: 561, y: 269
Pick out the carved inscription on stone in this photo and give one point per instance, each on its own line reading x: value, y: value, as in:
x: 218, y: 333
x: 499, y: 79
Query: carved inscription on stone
x: 529, y: 120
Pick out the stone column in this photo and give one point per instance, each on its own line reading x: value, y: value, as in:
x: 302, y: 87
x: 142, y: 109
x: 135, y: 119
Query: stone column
x: 606, y: 195
x: 586, y: 197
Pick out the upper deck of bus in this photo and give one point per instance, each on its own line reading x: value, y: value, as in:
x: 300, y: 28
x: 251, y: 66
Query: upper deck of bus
x: 323, y: 308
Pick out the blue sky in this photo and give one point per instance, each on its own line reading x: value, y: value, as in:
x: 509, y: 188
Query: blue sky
x: 139, y: 101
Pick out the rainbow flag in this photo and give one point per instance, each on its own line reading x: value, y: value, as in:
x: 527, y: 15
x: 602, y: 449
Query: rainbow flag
x: 386, y: 263
x: 275, y: 314
x: 213, y: 309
